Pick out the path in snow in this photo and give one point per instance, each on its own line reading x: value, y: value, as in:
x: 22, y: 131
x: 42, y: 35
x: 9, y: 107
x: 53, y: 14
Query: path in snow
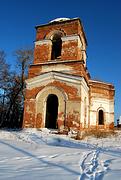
x: 40, y: 155
x: 92, y: 167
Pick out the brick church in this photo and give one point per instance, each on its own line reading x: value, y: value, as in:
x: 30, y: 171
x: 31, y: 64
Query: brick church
x: 59, y: 90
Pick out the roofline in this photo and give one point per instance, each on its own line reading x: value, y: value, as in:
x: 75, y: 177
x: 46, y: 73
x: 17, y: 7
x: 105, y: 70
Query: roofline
x: 61, y: 22
x: 57, y: 22
x: 83, y: 31
x: 100, y: 82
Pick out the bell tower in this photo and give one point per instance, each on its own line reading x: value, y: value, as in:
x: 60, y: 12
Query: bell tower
x: 62, y: 44
x: 58, y: 76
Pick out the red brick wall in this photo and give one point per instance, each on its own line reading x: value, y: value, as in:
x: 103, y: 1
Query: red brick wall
x: 34, y: 71
x: 29, y: 114
x: 69, y: 50
x: 69, y: 28
x: 42, y: 53
x: 77, y: 69
x: 70, y: 90
x: 30, y: 105
x: 102, y: 89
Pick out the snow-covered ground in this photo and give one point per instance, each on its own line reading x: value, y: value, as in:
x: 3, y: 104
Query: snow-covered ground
x: 40, y: 155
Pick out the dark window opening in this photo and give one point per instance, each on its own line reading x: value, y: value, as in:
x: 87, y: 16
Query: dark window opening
x: 101, y: 117
x: 51, y: 112
x: 56, y: 47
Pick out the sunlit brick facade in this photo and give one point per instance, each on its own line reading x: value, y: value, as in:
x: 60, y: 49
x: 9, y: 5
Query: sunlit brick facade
x: 59, y: 91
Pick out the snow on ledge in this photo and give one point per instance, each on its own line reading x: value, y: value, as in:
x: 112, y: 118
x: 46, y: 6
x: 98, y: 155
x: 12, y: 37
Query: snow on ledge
x: 59, y: 20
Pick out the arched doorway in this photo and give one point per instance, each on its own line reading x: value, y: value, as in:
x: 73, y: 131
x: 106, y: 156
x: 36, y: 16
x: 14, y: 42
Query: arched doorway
x: 51, y: 111
x: 41, y: 106
x: 100, y: 117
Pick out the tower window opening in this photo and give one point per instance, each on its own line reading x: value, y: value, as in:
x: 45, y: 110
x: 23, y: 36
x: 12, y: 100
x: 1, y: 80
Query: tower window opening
x: 56, y: 47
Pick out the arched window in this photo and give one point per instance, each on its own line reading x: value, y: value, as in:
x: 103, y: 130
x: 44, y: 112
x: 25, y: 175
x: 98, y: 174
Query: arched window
x: 100, y: 117
x: 56, y: 46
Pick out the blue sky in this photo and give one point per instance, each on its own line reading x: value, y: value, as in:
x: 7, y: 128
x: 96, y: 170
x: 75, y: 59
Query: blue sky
x: 102, y: 24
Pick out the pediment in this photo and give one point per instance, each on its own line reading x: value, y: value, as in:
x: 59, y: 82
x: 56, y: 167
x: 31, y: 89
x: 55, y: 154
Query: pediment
x: 49, y: 77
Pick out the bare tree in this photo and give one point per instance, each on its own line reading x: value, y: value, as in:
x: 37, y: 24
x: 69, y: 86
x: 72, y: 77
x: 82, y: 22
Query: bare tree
x: 4, y: 70
x: 4, y: 83
x: 11, y: 88
x: 14, y: 110
x: 24, y: 58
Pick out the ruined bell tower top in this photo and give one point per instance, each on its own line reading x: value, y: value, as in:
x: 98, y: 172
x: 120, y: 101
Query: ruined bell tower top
x: 60, y: 39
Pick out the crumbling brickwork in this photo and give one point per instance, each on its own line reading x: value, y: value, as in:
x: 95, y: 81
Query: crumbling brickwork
x: 59, y: 77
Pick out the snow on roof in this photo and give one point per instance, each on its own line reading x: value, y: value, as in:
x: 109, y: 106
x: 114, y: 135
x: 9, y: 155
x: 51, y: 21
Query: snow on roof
x: 59, y: 20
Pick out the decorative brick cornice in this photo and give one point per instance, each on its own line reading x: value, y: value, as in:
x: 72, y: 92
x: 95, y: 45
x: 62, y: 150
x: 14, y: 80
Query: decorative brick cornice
x: 56, y: 61
x: 45, y: 78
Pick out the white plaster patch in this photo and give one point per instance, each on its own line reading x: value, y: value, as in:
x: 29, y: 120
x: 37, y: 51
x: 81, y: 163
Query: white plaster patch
x: 44, y: 41
x: 70, y: 38
x: 75, y: 123
x: 58, y: 67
